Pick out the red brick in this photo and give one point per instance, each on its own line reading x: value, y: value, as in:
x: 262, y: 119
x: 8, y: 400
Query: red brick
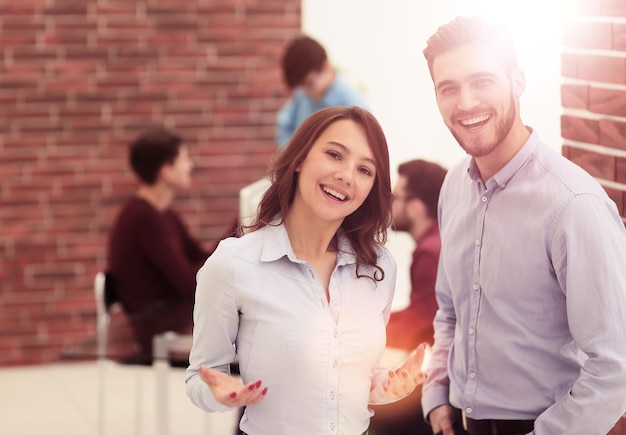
x: 619, y: 36
x: 579, y: 129
x: 617, y: 196
x: 615, y: 8
x: 621, y: 170
x: 607, y: 101
x: 608, y: 69
x: 612, y: 133
x: 569, y: 65
x: 590, y: 35
x: 619, y: 428
x: 598, y: 165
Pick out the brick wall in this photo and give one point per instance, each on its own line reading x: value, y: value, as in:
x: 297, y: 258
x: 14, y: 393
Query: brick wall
x: 594, y: 98
x: 594, y: 93
x: 78, y: 81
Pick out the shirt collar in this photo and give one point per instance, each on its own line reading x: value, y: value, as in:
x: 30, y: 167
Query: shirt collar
x: 276, y: 245
x: 504, y: 175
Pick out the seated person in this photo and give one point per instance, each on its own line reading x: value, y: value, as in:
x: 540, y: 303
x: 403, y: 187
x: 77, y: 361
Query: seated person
x: 315, y: 84
x: 152, y: 258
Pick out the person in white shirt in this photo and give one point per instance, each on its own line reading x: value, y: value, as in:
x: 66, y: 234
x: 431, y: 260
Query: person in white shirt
x: 302, y: 299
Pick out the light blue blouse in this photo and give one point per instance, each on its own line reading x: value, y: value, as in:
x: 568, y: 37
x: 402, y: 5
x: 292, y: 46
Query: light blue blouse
x: 316, y: 357
x: 532, y: 296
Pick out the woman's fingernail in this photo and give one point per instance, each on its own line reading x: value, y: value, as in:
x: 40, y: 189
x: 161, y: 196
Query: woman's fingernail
x: 264, y: 392
x: 258, y: 384
x: 233, y: 394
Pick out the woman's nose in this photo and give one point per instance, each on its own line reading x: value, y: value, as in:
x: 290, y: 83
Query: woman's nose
x: 344, y: 175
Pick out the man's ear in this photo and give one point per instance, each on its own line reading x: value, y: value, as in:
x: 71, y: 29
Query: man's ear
x: 518, y: 82
x: 165, y: 172
x: 416, y: 208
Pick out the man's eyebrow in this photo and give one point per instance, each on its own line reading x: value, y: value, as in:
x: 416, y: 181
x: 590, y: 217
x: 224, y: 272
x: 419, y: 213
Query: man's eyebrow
x: 473, y: 76
x: 345, y: 149
x: 445, y: 83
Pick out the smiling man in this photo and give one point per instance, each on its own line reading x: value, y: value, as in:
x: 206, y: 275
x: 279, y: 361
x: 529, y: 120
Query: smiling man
x: 530, y: 334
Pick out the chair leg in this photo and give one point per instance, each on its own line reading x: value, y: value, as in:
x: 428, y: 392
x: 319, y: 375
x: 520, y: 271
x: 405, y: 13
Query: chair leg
x: 138, y: 401
x: 101, y: 396
x: 161, y: 365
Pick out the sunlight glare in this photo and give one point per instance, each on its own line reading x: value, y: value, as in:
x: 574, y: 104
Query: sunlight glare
x: 534, y: 24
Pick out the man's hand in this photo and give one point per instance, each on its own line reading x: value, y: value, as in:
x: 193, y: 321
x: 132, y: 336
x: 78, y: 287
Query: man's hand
x: 441, y: 420
x: 230, y: 391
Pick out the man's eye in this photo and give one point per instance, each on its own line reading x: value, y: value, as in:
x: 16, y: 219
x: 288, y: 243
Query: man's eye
x: 480, y: 83
x: 447, y: 90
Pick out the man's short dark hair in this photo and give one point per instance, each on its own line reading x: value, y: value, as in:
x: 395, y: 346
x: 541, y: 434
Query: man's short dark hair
x: 303, y: 55
x: 472, y: 30
x: 424, y: 180
x: 151, y: 150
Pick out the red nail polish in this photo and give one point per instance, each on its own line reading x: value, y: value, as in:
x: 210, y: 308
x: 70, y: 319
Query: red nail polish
x: 233, y: 395
x: 264, y: 392
x: 251, y: 387
x: 258, y: 384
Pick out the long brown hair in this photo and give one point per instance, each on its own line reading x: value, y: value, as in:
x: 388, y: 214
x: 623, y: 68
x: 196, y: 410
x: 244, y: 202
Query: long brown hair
x: 366, y: 227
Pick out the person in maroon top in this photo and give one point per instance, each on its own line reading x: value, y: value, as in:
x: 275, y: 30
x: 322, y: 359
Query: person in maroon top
x: 416, y: 194
x: 414, y: 210
x: 152, y: 257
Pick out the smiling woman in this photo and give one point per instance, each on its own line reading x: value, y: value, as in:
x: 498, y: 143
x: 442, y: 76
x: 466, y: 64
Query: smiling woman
x: 302, y: 299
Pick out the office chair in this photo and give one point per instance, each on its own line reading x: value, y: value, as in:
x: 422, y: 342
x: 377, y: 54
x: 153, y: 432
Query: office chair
x: 107, y: 302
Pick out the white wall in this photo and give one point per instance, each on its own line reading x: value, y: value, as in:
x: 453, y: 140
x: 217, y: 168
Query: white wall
x: 378, y: 45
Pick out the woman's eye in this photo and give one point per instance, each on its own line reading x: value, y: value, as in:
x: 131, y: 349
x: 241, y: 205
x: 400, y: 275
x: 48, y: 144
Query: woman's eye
x: 366, y: 171
x: 334, y: 154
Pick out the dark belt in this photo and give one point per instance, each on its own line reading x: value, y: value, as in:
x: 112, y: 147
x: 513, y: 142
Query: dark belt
x: 499, y: 427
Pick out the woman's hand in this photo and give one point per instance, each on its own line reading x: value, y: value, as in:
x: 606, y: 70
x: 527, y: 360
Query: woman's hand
x: 409, y: 375
x: 230, y: 391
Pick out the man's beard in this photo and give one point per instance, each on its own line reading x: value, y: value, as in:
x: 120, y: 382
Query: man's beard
x: 502, y: 130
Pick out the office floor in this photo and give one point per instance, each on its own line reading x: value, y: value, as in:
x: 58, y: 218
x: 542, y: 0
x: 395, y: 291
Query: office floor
x: 61, y: 399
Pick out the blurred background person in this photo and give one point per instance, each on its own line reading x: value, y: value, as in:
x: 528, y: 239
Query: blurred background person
x: 414, y: 210
x: 152, y: 257
x: 315, y: 84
